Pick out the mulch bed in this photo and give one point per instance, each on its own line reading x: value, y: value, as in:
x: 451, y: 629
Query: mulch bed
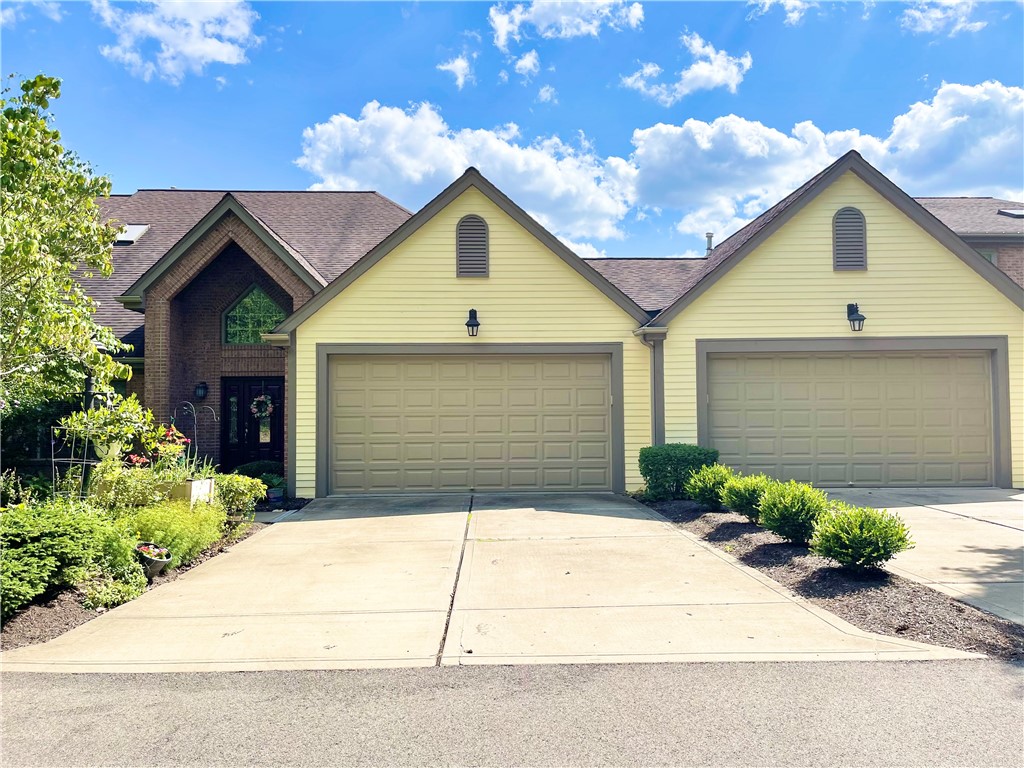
x: 881, y: 602
x: 64, y: 610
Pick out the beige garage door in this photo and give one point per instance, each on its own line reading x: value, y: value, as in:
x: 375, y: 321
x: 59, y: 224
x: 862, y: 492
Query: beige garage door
x: 868, y: 419
x: 459, y: 423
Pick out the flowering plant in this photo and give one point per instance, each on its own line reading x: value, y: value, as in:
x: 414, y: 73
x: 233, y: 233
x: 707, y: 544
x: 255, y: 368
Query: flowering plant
x: 154, y: 552
x: 136, y: 460
x: 261, y: 406
x: 171, y: 443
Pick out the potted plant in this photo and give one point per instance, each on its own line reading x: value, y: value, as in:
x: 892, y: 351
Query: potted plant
x: 276, y: 486
x: 153, y: 557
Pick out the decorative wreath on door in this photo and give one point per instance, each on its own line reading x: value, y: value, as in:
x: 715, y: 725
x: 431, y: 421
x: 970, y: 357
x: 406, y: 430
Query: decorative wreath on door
x: 262, y: 406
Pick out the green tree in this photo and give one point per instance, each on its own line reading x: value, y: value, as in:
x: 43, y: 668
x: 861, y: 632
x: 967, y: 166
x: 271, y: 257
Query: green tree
x: 51, y: 233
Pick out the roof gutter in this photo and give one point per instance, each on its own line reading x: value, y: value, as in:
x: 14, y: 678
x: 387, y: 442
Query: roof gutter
x: 277, y: 339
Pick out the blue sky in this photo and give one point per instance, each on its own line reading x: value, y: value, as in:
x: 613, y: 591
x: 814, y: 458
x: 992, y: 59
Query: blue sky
x: 627, y: 128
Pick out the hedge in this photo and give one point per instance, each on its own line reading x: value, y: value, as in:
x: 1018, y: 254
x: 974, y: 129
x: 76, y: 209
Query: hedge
x: 666, y: 468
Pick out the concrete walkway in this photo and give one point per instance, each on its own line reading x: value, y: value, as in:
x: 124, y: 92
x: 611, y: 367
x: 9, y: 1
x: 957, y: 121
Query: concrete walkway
x: 420, y: 581
x: 969, y: 542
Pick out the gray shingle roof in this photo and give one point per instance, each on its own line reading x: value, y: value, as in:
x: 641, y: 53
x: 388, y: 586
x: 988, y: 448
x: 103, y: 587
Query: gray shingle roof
x: 329, y: 230
x: 975, y: 215
x: 651, y: 283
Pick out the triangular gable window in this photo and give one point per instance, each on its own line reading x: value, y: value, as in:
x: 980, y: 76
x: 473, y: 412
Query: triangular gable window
x: 251, y: 315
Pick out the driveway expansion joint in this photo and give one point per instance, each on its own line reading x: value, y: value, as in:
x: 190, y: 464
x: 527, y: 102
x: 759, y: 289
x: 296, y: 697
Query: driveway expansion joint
x: 455, y: 586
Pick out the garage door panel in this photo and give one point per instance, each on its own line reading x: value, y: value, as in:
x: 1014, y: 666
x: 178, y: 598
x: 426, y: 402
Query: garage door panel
x: 452, y: 371
x: 831, y: 474
x: 862, y: 446
x: 973, y: 472
x: 523, y: 422
x: 526, y: 370
x: 867, y: 474
x: 828, y: 418
x: 591, y: 397
x: 869, y: 418
x: 557, y: 398
x: 594, y: 478
x: 453, y: 398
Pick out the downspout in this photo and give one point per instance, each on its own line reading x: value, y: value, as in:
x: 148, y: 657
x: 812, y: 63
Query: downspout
x: 653, y: 338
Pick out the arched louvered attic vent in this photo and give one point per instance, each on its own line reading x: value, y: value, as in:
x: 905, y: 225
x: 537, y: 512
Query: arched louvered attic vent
x: 849, y: 240
x: 471, y: 247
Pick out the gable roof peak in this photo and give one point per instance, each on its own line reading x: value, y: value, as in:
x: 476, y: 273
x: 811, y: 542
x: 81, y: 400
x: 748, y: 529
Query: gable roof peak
x: 734, y: 248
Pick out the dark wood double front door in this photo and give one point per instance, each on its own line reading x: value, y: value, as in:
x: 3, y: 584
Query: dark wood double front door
x: 247, y: 436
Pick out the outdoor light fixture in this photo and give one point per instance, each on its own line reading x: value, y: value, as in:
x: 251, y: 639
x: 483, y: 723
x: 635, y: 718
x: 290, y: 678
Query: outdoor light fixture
x: 855, y: 317
x: 201, y: 390
x: 472, y: 325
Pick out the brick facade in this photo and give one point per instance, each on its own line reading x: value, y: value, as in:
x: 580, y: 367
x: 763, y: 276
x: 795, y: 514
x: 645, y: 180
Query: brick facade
x: 184, y: 336
x: 1010, y: 259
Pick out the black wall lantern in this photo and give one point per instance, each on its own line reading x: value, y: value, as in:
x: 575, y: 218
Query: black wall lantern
x: 472, y: 325
x: 201, y: 390
x: 855, y: 317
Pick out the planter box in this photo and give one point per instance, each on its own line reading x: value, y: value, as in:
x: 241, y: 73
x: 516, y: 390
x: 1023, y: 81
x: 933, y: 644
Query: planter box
x: 194, y: 491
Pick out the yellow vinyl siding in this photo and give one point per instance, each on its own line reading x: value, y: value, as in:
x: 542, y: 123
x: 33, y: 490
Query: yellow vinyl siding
x: 413, y: 296
x: 787, y: 288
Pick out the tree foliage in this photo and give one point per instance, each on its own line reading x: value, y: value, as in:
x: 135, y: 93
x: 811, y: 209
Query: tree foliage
x: 51, y: 233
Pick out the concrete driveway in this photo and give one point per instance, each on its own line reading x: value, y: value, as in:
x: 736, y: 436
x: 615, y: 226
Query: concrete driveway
x: 969, y: 542
x: 430, y: 580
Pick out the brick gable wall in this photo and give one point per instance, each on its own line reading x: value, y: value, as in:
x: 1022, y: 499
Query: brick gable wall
x: 184, y: 309
x: 1010, y: 259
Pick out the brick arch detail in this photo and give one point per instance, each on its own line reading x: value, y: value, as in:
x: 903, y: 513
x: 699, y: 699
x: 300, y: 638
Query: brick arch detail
x: 179, y: 313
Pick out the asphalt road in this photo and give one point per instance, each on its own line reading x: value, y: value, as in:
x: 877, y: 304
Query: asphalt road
x: 963, y: 713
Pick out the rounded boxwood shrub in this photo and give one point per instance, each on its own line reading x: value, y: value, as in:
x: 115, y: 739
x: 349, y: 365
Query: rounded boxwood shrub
x: 666, y: 468
x: 790, y: 509
x: 742, y: 494
x: 859, y: 538
x: 705, y: 485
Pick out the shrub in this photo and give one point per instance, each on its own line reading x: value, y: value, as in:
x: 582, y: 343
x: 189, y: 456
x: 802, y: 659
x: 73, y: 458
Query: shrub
x: 256, y: 468
x: 118, y: 488
x: 859, y: 538
x: 790, y: 509
x: 122, y: 425
x: 185, y: 531
x: 705, y: 485
x: 238, y: 493
x: 44, y: 546
x: 274, y: 481
x: 666, y: 468
x: 742, y: 494
x: 118, y: 577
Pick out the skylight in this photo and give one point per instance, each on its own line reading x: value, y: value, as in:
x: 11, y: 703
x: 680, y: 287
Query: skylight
x: 130, y: 234
x: 1013, y: 213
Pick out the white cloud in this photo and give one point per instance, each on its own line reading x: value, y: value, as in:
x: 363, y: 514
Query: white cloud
x: 412, y: 154
x: 12, y: 13
x: 705, y: 176
x: 460, y: 68
x: 503, y: 76
x: 221, y: 81
x: 528, y: 65
x: 711, y: 69
x: 794, y: 9
x: 547, y: 95
x: 584, y: 250
x: 934, y: 17
x: 967, y: 140
x: 562, y: 18
x: 172, y: 39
